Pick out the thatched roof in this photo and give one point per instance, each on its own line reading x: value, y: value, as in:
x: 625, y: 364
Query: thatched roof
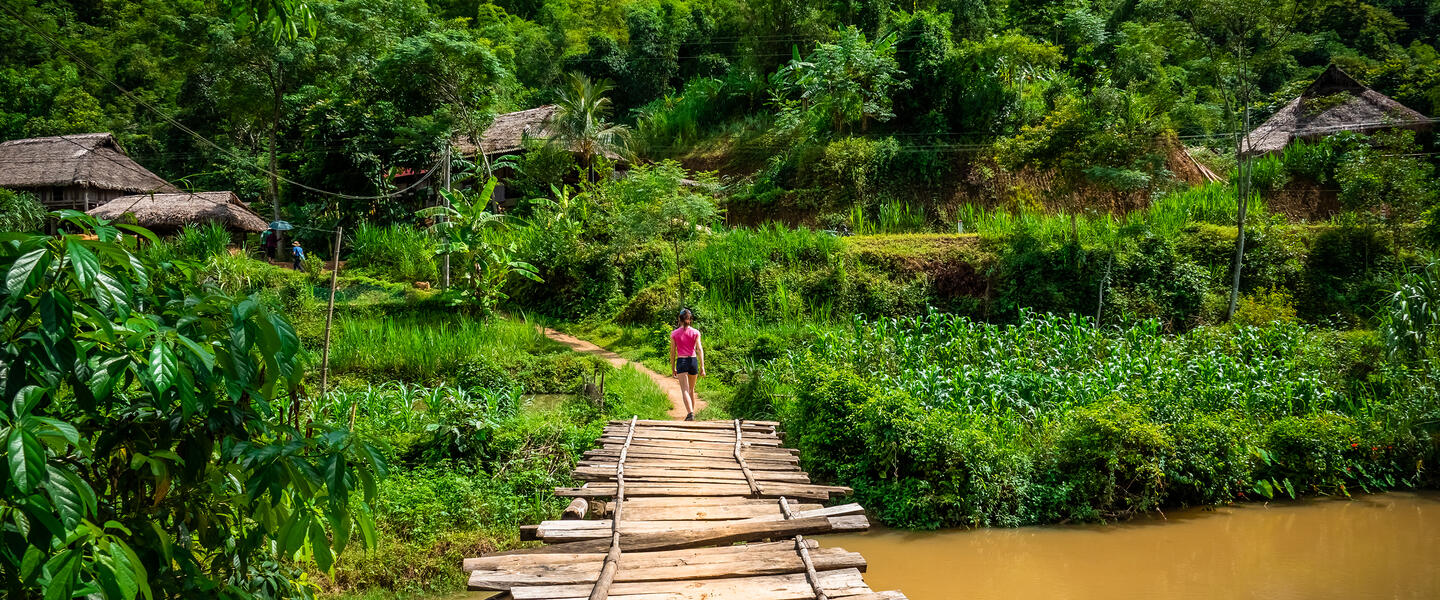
x: 174, y: 211
x: 90, y: 159
x: 508, y: 132
x: 1335, y: 102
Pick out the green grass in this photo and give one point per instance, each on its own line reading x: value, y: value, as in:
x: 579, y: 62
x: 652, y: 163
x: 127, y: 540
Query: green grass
x: 422, y: 347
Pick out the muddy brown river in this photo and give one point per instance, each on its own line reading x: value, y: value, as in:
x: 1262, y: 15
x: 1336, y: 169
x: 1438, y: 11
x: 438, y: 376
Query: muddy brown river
x: 1383, y: 546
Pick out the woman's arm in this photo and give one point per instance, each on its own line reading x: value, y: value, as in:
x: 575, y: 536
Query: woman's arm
x: 700, y: 354
x: 672, y: 356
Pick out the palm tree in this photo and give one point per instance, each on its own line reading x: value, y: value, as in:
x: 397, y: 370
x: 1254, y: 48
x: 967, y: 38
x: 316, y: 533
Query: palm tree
x: 580, y: 121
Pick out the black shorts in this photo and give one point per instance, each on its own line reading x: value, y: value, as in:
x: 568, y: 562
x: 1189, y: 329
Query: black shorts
x: 687, y: 364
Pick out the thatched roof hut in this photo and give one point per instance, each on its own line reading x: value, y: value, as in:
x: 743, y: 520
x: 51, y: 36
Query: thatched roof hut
x: 508, y: 132
x: 75, y: 171
x: 1335, y: 102
x: 165, y: 213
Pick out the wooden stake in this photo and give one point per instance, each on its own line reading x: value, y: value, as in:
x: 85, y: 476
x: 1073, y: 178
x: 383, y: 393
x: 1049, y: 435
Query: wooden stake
x: 330, y: 316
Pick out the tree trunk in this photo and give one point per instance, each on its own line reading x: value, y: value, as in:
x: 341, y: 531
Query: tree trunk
x: 1242, y: 195
x: 274, y: 173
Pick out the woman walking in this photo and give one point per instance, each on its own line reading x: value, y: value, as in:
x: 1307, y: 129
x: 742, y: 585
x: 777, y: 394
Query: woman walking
x: 687, y: 359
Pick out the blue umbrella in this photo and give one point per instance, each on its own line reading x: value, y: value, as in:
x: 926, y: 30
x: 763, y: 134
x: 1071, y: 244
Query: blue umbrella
x: 281, y: 225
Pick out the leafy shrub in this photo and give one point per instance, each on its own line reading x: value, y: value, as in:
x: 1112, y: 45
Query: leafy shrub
x: 1210, y: 463
x: 1309, y: 450
x: 1265, y: 306
x: 1112, y: 460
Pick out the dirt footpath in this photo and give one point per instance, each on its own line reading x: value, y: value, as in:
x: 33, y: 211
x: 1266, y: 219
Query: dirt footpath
x: 669, y: 384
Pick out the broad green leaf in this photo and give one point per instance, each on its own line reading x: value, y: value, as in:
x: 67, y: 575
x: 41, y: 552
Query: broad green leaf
x: 22, y: 274
x: 64, y: 569
x: 199, y: 351
x: 340, y: 525
x: 26, y: 400
x: 163, y: 369
x: 320, y: 547
x: 67, y: 500
x: 26, y: 457
x: 85, y: 265
x: 1264, y: 488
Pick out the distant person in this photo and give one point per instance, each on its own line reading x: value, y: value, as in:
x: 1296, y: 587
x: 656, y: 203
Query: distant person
x: 271, y: 242
x: 298, y: 254
x: 687, y: 359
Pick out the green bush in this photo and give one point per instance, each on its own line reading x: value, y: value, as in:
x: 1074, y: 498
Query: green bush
x: 1210, y: 464
x: 1309, y: 451
x: 1111, y: 459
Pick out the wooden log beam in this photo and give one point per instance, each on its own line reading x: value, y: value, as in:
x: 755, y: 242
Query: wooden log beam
x: 639, y: 567
x: 842, y: 582
x: 601, y: 589
x: 725, y: 532
x: 577, y: 509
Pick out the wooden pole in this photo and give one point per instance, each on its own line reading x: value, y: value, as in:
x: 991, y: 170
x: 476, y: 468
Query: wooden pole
x: 445, y: 174
x: 329, y: 317
x: 601, y: 591
x: 744, y: 468
x: 804, y: 550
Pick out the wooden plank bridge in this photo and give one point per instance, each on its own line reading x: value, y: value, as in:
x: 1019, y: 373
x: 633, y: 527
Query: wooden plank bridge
x: 687, y: 510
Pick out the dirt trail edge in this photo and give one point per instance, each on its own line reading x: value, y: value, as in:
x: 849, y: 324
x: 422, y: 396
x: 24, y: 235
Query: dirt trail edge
x: 669, y: 384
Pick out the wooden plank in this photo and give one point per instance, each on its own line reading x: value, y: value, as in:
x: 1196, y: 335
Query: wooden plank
x: 770, y: 445
x: 638, y: 567
x: 751, y: 453
x: 722, y: 512
x: 699, y: 424
x: 694, y: 464
x: 501, y: 561
x: 640, y: 473
x: 875, y: 596
x: 769, y: 489
x: 842, y: 582
x: 721, y: 532
x: 567, y: 531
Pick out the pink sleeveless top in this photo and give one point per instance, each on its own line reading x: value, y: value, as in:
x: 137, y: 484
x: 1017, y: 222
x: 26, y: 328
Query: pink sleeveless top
x: 685, y: 339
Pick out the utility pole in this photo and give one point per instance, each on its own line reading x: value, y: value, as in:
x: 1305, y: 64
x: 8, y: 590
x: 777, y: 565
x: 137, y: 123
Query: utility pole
x: 445, y: 181
x: 330, y: 314
x: 1242, y: 188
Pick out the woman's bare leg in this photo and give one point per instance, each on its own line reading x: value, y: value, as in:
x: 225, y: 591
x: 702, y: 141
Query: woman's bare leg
x: 687, y: 391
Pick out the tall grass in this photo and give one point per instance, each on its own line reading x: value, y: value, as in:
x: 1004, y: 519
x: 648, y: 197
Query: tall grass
x: 730, y: 265
x: 895, y: 216
x: 420, y: 347
x: 395, y: 252
x: 1210, y: 203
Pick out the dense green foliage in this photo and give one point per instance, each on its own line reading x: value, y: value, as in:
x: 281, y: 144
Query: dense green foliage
x: 941, y: 421
x: 152, y: 439
x: 823, y: 109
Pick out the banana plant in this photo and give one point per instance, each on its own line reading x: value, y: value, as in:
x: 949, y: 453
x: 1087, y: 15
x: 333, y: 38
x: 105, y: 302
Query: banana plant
x: 470, y: 235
